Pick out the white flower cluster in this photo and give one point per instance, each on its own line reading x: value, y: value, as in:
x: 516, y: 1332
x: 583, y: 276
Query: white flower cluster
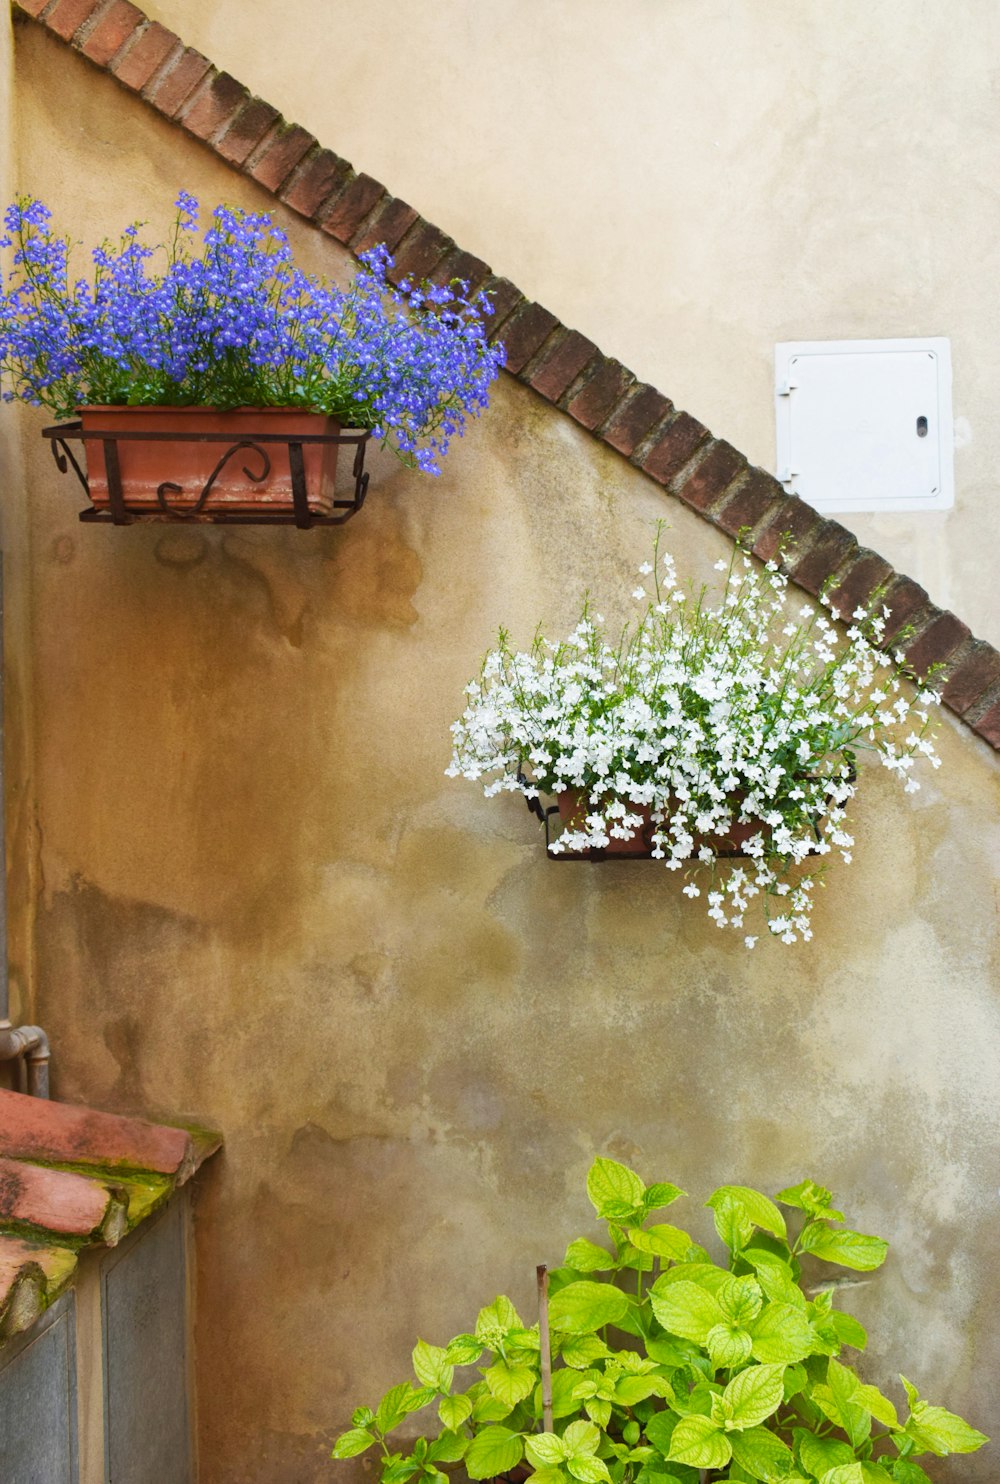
x: 703, y: 720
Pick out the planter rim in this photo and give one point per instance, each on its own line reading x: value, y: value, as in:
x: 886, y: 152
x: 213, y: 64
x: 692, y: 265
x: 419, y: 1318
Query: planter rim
x: 163, y: 409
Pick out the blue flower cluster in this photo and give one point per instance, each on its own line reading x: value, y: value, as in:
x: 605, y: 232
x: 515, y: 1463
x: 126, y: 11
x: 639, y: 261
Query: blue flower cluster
x: 231, y: 322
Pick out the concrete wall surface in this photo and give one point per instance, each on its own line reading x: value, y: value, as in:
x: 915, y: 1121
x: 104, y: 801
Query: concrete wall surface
x: 689, y: 182
x: 261, y: 902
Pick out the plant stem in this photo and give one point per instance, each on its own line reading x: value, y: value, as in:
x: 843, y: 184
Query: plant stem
x: 545, y: 1344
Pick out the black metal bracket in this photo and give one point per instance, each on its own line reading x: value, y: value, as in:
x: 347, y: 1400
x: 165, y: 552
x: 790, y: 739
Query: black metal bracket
x: 539, y: 810
x: 63, y: 434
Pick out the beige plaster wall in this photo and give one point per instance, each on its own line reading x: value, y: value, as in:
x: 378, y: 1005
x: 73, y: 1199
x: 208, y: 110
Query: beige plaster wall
x: 689, y: 182
x: 264, y: 905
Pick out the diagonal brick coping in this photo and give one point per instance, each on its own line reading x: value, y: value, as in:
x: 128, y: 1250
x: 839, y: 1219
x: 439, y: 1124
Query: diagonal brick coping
x: 560, y: 365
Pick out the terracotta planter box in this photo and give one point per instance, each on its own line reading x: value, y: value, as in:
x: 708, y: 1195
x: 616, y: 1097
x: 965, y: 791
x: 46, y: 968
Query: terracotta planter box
x: 236, y: 475
x: 573, y: 805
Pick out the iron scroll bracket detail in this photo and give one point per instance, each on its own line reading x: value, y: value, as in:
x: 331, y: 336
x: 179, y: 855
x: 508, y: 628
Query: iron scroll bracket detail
x: 256, y: 469
x: 176, y: 489
x: 539, y: 810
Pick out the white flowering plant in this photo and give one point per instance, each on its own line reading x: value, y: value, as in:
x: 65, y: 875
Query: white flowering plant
x: 702, y: 724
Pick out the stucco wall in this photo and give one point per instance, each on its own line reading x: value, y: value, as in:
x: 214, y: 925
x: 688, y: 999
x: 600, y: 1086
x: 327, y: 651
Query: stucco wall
x: 689, y: 183
x: 262, y: 903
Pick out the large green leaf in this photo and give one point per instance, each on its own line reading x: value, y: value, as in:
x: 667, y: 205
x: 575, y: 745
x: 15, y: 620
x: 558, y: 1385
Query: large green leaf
x: 598, y: 1410
x: 836, y: 1401
x: 848, y: 1330
x: 857, y: 1473
x: 661, y: 1240
x: 564, y: 1403
x: 705, y: 1274
x: 419, y: 1397
x: 657, y: 1473
x: 510, y: 1383
x: 754, y: 1394
x: 463, y: 1350
x: 638, y: 1262
x: 698, y: 1442
x: 580, y: 1352
x: 686, y: 1309
x: 820, y: 1455
x: 580, y: 1308
x: 581, y: 1438
x: 849, y: 1249
x: 544, y: 1449
x: 668, y: 1352
x: 399, y: 1470
x: 904, y: 1471
x: 740, y: 1299
x: 448, y: 1448
x: 587, y: 1257
x: 758, y: 1209
x: 732, y: 1223
x: 936, y: 1431
x: 486, y: 1408
x: 398, y: 1403
x: 661, y: 1194
x: 492, y: 1452
x: 496, y: 1318
x: 431, y: 1366
x: 782, y: 1334
x: 351, y: 1443
x: 615, y: 1191
x: 878, y: 1405
x: 727, y: 1345
x: 633, y: 1389
x: 588, y: 1469
x: 775, y: 1276
x: 453, y: 1410
x: 761, y: 1454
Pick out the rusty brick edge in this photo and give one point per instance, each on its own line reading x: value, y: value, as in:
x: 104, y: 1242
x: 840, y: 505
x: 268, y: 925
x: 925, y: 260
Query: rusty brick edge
x: 560, y: 364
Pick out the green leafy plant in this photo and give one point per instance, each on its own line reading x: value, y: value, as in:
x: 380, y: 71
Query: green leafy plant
x: 661, y: 1366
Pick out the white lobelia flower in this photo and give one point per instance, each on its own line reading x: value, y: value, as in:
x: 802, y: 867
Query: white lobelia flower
x: 704, y: 715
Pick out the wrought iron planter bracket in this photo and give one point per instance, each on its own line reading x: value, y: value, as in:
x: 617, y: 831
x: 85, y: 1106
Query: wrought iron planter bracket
x: 540, y: 811
x: 63, y: 435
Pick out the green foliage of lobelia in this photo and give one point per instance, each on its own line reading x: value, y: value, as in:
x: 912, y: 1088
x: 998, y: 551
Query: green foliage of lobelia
x: 669, y: 1368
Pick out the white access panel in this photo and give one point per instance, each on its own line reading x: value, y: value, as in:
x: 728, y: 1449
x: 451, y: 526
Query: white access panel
x: 866, y: 424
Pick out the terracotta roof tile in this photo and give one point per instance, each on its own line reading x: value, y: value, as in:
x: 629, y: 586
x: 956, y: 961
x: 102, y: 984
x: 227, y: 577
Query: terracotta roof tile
x: 32, y: 1275
x: 63, y: 1133
x: 55, y: 1201
x: 72, y: 1177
